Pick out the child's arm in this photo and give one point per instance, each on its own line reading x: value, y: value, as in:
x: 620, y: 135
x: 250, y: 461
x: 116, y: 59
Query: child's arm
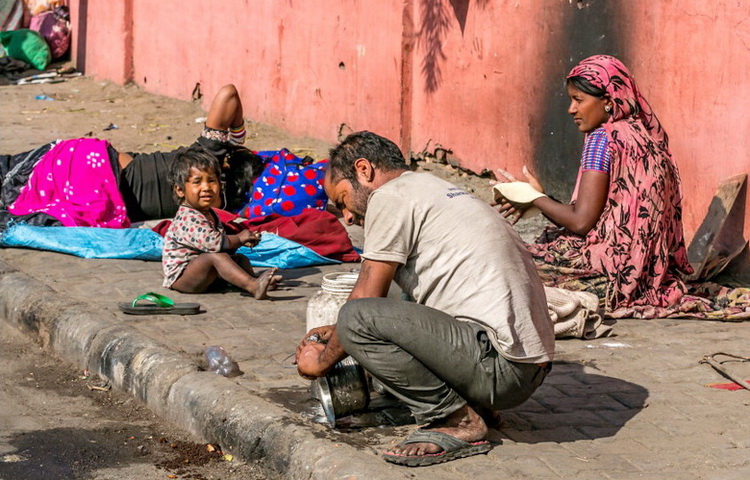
x: 244, y: 238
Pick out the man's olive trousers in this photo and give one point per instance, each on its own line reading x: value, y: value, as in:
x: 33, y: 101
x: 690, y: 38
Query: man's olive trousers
x: 430, y: 361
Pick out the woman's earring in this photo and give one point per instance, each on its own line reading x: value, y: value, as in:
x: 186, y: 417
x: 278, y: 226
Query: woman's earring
x: 608, y: 108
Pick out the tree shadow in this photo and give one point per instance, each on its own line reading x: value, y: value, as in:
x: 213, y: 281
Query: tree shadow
x: 437, y: 17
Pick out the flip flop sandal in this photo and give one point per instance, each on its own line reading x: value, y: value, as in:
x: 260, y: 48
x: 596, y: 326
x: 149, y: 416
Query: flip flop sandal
x: 453, y: 448
x: 159, y: 305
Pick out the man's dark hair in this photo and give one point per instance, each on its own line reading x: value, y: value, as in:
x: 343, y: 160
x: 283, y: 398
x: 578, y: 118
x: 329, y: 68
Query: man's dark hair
x: 243, y: 167
x: 380, y: 151
x: 586, y: 87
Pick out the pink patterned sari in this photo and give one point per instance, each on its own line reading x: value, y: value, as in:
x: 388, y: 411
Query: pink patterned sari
x: 635, y: 255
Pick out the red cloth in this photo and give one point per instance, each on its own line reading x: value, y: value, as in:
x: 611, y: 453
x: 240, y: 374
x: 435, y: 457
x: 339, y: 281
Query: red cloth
x: 727, y: 386
x: 318, y: 230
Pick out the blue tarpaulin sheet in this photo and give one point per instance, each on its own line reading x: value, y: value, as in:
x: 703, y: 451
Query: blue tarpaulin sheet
x: 143, y: 244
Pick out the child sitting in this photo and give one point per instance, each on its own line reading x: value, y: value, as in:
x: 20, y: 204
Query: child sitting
x: 196, y: 248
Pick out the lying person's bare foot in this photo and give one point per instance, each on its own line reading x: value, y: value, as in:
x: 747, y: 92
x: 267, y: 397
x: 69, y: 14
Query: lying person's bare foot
x: 264, y: 282
x: 458, y: 435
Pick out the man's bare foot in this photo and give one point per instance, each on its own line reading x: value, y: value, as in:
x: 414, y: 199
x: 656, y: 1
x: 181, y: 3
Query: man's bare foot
x: 464, y: 424
x: 263, y: 283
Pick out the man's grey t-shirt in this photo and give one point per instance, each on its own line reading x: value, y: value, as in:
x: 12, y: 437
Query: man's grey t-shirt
x: 459, y: 256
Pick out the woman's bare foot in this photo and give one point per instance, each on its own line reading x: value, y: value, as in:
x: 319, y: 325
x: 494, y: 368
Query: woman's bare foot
x: 263, y: 282
x: 464, y: 424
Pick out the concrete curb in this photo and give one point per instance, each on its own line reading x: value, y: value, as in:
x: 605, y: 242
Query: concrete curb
x: 170, y: 384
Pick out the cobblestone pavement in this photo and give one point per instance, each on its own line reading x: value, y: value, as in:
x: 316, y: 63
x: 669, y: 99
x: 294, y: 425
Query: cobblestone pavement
x: 630, y: 406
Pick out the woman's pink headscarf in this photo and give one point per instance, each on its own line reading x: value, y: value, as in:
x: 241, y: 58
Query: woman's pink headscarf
x: 609, y: 74
x: 638, y: 241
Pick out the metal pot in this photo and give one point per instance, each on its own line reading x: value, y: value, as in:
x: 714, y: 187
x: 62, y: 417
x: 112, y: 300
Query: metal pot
x: 343, y: 391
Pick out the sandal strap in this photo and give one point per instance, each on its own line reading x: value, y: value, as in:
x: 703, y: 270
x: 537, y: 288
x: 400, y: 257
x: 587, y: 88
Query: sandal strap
x: 442, y: 440
x: 155, y: 298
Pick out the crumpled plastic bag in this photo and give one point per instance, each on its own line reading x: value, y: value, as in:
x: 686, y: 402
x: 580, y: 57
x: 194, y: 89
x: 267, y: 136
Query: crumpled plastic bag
x: 27, y: 46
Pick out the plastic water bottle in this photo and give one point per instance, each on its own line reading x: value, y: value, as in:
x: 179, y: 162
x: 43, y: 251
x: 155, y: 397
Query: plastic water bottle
x: 219, y: 362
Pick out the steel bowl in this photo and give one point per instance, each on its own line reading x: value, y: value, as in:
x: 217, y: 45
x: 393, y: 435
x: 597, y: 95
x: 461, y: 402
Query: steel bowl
x: 343, y: 391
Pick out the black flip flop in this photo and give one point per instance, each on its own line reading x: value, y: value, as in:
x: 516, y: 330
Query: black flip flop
x: 159, y: 305
x: 453, y: 448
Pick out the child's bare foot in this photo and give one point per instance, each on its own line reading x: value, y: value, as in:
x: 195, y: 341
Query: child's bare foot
x: 274, y: 283
x: 263, y: 283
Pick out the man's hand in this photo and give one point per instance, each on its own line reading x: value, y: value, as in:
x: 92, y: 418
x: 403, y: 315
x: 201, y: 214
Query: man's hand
x: 308, y: 361
x: 318, y: 352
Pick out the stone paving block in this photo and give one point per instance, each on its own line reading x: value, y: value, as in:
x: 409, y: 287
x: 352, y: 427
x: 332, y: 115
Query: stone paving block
x: 618, y: 418
x: 603, y: 446
x: 593, y: 402
x: 557, y: 434
x: 570, y: 465
x: 741, y: 473
x: 526, y: 466
x: 729, y: 456
x: 550, y: 421
x: 652, y: 463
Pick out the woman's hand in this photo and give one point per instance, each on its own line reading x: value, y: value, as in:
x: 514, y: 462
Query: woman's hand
x: 504, y: 176
x: 532, y: 180
x: 513, y: 212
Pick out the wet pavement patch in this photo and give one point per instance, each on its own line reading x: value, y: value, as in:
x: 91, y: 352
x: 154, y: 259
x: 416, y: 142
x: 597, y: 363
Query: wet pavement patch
x: 64, y: 453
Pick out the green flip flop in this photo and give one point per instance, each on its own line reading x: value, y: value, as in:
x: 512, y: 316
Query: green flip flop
x: 158, y: 305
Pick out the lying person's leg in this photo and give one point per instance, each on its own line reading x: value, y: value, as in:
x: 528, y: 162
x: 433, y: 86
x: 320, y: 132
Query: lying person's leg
x: 225, y: 113
x: 203, y: 270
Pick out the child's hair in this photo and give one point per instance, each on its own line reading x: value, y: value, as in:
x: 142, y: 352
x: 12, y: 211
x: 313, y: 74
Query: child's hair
x: 194, y: 156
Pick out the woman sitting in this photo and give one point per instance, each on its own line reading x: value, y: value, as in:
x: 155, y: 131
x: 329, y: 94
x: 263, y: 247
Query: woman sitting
x: 621, y: 236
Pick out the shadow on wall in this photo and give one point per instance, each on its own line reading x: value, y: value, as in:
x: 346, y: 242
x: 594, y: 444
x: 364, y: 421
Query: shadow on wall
x: 83, y: 12
x: 437, y: 19
x: 589, y: 28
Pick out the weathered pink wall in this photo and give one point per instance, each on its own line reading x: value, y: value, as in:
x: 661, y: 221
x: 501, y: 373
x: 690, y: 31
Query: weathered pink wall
x: 479, y: 76
x: 102, y: 41
x: 482, y: 78
x: 307, y: 66
x: 695, y: 56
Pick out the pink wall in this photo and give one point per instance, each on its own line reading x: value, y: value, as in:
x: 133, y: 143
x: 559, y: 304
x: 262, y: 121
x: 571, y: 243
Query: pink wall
x: 479, y: 79
x: 102, y: 41
x: 307, y: 66
x: 482, y: 78
x: 696, y: 55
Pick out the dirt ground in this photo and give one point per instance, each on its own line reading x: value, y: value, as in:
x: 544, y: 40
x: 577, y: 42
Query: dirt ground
x: 58, y: 422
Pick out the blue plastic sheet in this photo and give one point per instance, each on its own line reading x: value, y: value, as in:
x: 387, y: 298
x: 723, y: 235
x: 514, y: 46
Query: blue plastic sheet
x: 87, y: 242
x: 275, y: 251
x: 143, y: 244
